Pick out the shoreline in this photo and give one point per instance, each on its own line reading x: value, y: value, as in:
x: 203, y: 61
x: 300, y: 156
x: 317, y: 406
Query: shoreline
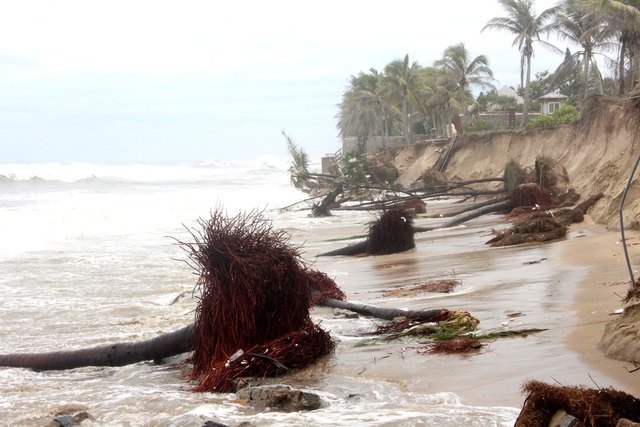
x: 599, y: 295
x: 569, y: 294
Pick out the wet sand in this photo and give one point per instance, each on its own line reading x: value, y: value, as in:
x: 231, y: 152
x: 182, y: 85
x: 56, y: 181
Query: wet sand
x: 568, y: 288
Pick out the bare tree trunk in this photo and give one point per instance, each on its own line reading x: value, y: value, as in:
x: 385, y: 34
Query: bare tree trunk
x: 527, y: 93
x: 387, y: 313
x: 483, y: 210
x: 467, y: 214
x: 174, y: 343
x: 324, y: 208
x: 119, y: 354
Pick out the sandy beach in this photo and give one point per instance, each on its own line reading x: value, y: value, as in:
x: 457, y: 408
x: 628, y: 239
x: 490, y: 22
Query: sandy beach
x: 571, y: 288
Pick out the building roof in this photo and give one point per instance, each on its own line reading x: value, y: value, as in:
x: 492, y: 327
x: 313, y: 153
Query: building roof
x: 509, y: 91
x: 551, y: 96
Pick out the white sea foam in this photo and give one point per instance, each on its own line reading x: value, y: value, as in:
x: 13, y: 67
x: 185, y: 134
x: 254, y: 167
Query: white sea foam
x: 87, y: 257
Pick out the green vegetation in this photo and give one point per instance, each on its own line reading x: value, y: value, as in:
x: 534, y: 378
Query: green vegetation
x: 299, y: 169
x: 407, y: 97
x: 563, y: 115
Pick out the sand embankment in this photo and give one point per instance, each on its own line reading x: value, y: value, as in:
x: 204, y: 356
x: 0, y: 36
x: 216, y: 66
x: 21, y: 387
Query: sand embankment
x: 598, y: 152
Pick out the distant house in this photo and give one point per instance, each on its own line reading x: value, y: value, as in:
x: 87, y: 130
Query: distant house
x: 510, y: 92
x: 551, y: 102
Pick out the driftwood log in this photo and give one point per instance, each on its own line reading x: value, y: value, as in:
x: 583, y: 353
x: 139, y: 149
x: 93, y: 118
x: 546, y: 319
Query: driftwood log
x: 324, y: 208
x: 175, y: 343
x: 120, y: 354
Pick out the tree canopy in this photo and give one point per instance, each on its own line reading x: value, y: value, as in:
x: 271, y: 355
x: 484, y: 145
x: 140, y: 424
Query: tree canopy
x: 407, y: 96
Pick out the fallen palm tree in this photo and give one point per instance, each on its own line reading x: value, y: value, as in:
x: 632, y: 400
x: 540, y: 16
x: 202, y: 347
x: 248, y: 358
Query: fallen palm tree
x: 255, y: 294
x: 117, y: 354
x: 543, y: 226
x: 526, y: 195
x: 391, y: 233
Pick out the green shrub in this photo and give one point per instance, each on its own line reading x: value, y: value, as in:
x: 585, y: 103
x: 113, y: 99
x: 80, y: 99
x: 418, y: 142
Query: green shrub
x: 563, y: 115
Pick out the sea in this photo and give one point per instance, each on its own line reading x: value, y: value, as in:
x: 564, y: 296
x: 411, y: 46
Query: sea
x: 89, y: 256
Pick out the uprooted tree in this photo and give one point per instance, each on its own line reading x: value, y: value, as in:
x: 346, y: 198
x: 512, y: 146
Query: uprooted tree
x: 252, y: 317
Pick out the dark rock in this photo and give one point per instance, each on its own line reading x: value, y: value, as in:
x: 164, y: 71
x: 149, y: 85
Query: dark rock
x: 562, y: 419
x: 281, y: 398
x: 65, y: 421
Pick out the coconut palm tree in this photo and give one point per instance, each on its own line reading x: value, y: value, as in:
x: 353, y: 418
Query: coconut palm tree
x: 466, y: 72
x: 364, y: 111
x: 438, y: 98
x: 401, y: 82
x: 623, y: 16
x: 522, y: 21
x: 582, y: 26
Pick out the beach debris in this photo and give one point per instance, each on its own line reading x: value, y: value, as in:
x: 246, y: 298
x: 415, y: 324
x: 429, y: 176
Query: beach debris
x: 324, y: 208
x: 118, y: 354
x: 540, y: 227
x: 455, y: 346
x: 252, y: 317
x: 514, y: 175
x: 443, y: 286
x: 543, y: 226
x: 601, y: 407
x: 391, y: 233
x: 531, y: 196
x: 387, y: 313
x: 279, y: 397
x: 253, y: 296
x: 538, y: 261
x: 552, y: 176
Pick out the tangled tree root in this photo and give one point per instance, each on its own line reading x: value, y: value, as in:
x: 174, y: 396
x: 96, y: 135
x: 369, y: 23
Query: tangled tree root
x: 597, y: 408
x: 391, y: 233
x: 540, y: 227
x: 254, y: 298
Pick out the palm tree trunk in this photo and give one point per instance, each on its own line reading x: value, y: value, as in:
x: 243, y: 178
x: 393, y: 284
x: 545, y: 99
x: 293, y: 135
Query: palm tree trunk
x: 527, y: 92
x: 120, y: 354
x: 586, y: 60
x: 387, y: 313
x: 405, y: 119
x: 621, y: 68
x: 469, y: 215
x: 174, y: 343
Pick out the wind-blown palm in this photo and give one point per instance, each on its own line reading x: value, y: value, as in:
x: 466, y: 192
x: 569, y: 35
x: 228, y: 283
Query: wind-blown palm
x: 402, y: 82
x: 522, y: 21
x: 438, y: 98
x: 623, y: 16
x: 466, y: 72
x: 581, y: 25
x: 363, y: 110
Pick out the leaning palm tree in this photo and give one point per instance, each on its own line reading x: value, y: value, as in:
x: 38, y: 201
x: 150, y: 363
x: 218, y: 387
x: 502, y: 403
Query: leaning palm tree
x: 623, y: 17
x: 465, y: 71
x: 581, y: 25
x: 522, y: 21
x: 364, y: 111
x: 401, y: 82
x: 438, y: 98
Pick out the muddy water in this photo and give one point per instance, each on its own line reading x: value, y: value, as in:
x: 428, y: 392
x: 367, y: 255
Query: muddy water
x: 506, y: 289
x: 88, y: 292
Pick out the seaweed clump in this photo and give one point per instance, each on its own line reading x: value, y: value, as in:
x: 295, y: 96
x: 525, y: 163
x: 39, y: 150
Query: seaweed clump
x: 252, y: 317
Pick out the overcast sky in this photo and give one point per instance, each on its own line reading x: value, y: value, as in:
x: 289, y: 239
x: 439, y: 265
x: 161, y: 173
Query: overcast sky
x: 153, y: 81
